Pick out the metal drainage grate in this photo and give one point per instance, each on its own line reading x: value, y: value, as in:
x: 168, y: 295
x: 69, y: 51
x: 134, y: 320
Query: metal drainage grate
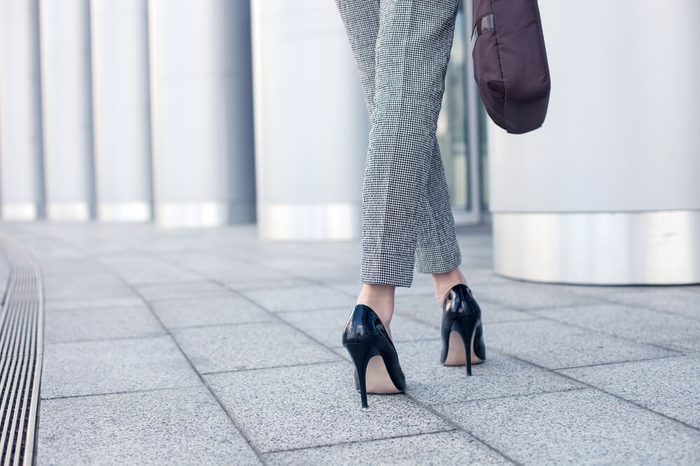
x: 21, y: 344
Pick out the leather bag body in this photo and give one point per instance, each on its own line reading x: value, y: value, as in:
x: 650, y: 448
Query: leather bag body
x: 510, y: 63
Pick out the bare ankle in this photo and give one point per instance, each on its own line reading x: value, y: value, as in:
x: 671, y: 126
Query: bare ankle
x: 443, y: 282
x: 380, y: 298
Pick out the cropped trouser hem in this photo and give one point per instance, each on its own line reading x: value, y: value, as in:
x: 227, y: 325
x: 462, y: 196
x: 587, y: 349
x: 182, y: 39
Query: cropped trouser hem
x: 387, y: 268
x: 438, y: 259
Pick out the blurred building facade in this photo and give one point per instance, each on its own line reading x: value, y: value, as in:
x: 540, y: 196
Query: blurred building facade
x: 213, y: 112
x: 143, y: 110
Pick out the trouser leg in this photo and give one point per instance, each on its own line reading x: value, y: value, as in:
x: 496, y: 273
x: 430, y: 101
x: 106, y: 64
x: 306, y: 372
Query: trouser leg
x: 411, y: 221
x: 437, y: 249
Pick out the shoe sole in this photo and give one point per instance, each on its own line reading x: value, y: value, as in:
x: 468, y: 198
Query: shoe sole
x: 377, y: 378
x: 455, y: 352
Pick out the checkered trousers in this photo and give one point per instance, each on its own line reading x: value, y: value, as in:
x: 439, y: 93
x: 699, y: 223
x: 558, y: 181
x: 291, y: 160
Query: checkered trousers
x: 402, y: 48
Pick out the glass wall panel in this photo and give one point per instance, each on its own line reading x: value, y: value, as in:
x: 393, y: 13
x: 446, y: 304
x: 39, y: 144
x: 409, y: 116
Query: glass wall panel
x: 452, y: 123
x: 454, y: 129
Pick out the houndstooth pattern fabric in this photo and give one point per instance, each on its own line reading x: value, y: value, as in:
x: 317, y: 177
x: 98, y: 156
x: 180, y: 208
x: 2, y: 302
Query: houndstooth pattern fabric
x: 402, y: 48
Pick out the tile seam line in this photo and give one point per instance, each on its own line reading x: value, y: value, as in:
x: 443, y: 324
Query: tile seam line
x: 631, y: 305
x: 613, y: 363
x: 359, y: 441
x: 596, y: 331
x: 97, y: 308
x: 517, y: 395
x: 530, y: 310
x: 624, y: 400
x: 253, y: 369
x: 504, y: 397
x: 426, y: 407
x: 121, y: 392
x: 97, y: 340
x: 222, y: 325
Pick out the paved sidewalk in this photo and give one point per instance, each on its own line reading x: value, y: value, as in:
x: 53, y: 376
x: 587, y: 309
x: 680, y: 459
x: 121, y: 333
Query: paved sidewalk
x: 212, y: 346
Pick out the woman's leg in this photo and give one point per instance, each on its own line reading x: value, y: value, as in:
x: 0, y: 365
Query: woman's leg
x: 436, y: 248
x: 412, y: 50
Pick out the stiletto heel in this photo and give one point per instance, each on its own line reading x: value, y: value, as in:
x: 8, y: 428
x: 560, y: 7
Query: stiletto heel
x: 360, y: 354
x: 365, y: 337
x: 462, y: 331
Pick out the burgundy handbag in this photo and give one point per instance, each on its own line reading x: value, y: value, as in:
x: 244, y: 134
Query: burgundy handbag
x: 510, y: 63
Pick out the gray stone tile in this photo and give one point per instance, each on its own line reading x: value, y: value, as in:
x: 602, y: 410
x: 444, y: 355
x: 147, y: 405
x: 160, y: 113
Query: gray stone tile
x: 677, y: 300
x: 98, y: 367
x: 350, y: 287
x: 556, y: 345
x: 442, y: 448
x: 235, y: 271
x: 492, y: 313
x: 479, y: 276
x: 188, y: 289
x: 57, y: 267
x: 669, y: 386
x: 605, y: 292
x: 100, y: 324
x: 296, y: 263
x: 174, y: 426
x: 299, y: 298
x: 498, y: 376
x: 686, y: 345
x: 529, y: 296
x: 249, y: 346
x: 636, y: 323
x: 424, y: 308
x: 324, y: 270
x: 140, y: 269
x: 577, y: 427
x: 314, y: 405
x: 421, y: 307
x: 338, y: 274
x: 208, y: 310
x: 257, y: 284
x: 78, y: 302
x: 90, y: 286
x: 327, y: 326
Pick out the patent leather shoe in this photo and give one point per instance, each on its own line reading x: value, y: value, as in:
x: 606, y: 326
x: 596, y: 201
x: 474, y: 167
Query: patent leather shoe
x: 461, y: 330
x: 369, y: 345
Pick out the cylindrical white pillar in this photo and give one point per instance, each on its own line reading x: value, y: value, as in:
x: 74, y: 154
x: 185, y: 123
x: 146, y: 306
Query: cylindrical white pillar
x: 201, y: 112
x: 67, y: 108
x: 20, y: 110
x: 310, y: 122
x: 121, y: 109
x: 606, y: 192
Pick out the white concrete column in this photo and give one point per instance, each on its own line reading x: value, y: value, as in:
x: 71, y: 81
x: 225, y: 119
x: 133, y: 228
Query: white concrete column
x: 67, y: 108
x: 121, y: 109
x: 310, y: 122
x: 201, y: 112
x: 607, y: 191
x: 20, y: 111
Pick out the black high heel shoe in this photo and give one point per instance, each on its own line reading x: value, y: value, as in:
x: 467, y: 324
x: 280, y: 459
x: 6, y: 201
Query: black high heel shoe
x: 365, y: 337
x: 462, y: 331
